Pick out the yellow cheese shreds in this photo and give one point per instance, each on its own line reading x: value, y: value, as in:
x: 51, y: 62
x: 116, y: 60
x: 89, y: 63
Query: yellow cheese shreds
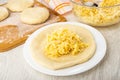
x: 97, y: 16
x: 107, y: 3
x: 64, y: 42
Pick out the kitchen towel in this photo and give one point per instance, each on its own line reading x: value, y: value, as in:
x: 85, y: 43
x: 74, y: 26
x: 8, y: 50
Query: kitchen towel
x: 60, y: 6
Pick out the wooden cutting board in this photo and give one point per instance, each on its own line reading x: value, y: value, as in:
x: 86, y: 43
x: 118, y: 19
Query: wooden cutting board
x: 24, y: 30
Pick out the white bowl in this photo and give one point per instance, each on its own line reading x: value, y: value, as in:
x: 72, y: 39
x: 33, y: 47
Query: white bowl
x: 98, y: 56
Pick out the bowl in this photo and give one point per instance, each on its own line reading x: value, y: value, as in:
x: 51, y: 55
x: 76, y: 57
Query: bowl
x: 96, y: 16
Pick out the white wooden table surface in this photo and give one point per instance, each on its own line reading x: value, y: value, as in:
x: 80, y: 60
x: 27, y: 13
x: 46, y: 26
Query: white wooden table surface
x: 14, y: 67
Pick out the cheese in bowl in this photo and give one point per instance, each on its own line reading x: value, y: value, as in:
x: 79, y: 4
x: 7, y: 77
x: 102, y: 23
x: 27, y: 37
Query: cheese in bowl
x: 97, y: 12
x: 62, y: 45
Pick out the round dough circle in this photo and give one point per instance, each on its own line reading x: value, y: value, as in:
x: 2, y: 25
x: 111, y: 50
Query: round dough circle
x: 38, y: 44
x: 3, y: 13
x: 19, y: 5
x: 34, y: 15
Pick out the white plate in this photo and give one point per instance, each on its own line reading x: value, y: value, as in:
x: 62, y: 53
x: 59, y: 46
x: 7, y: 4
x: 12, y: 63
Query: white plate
x: 99, y: 54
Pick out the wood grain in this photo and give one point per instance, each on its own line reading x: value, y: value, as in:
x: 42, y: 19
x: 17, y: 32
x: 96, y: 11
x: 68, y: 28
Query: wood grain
x: 24, y: 30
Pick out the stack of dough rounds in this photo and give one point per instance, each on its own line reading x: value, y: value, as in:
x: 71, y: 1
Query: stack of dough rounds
x: 3, y: 13
x: 34, y: 15
x: 19, y: 5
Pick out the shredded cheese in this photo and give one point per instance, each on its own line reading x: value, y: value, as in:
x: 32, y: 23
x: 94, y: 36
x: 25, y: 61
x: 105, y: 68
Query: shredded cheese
x: 64, y: 42
x: 96, y: 16
x: 107, y: 3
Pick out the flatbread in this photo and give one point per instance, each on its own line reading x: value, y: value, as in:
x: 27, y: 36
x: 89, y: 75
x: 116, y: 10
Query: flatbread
x: 34, y: 15
x: 3, y: 13
x: 38, y: 44
x: 19, y: 5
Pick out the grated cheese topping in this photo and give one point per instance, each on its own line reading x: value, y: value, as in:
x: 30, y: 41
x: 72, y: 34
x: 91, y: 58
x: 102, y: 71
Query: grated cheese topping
x: 64, y: 42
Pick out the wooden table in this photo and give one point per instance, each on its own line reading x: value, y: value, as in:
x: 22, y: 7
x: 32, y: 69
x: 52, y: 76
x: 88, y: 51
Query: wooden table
x: 14, y: 67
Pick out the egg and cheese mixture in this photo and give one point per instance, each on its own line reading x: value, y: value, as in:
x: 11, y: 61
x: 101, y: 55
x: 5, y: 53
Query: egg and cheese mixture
x: 64, y: 42
x: 105, y: 14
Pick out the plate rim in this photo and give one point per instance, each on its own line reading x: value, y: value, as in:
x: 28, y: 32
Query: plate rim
x: 91, y: 29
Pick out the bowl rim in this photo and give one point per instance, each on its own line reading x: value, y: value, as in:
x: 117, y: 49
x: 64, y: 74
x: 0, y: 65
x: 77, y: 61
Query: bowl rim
x: 92, y: 6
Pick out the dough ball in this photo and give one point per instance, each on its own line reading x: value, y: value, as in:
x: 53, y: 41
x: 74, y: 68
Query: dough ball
x: 34, y: 15
x: 3, y: 13
x: 19, y: 5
